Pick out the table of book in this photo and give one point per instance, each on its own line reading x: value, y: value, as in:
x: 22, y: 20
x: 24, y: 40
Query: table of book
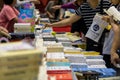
x: 67, y: 62
x: 52, y: 56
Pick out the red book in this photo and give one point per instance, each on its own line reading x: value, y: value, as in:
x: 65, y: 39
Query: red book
x: 57, y: 71
x: 65, y: 76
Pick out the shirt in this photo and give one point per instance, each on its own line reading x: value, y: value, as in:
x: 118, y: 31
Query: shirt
x: 6, y: 15
x: 69, y: 5
x: 88, y: 13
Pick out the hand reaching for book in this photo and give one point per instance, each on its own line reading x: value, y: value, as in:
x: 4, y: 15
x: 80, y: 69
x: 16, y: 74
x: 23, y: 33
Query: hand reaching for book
x: 115, y: 59
x: 48, y: 25
x: 4, y: 32
x: 56, y: 7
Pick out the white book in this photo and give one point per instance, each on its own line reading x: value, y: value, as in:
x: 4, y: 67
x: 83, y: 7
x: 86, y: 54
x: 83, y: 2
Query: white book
x: 112, y: 11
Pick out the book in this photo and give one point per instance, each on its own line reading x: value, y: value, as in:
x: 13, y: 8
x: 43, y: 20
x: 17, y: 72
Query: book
x: 20, y: 56
x: 58, y: 64
x: 64, y: 76
x: 112, y: 11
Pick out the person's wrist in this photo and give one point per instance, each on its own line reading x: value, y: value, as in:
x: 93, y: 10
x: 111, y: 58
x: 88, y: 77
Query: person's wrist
x: 51, y: 25
x: 112, y: 24
x: 112, y: 52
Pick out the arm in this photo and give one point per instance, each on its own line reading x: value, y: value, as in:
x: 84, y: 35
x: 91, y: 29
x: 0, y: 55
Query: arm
x: 57, y: 7
x: 69, y: 5
x: 61, y: 14
x: 4, y: 32
x: 3, y: 29
x: 48, y: 8
x: 64, y: 22
x: 116, y: 42
x: 49, y: 14
x: 49, y: 5
x: 35, y: 1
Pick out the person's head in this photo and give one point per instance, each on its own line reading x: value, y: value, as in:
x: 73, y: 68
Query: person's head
x: 115, y: 2
x: 10, y: 2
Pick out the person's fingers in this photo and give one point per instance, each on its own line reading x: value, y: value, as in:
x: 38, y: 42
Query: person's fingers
x: 112, y: 61
x: 115, y: 64
x: 3, y: 29
x: 53, y: 7
x: 105, y: 18
x: 46, y: 25
x: 111, y: 19
x: 4, y: 32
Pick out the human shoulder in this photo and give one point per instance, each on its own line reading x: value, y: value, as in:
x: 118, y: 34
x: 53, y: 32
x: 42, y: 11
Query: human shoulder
x: 84, y: 5
x: 7, y: 8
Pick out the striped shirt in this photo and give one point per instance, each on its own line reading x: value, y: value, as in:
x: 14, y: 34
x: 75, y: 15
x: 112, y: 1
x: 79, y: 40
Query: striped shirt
x: 87, y: 13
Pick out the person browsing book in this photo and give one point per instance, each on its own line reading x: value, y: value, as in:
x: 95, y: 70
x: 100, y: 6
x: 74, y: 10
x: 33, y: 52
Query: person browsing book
x: 9, y: 15
x: 86, y: 11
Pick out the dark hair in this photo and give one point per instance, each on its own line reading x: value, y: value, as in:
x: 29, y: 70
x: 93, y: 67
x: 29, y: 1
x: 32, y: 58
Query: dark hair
x: 8, y: 2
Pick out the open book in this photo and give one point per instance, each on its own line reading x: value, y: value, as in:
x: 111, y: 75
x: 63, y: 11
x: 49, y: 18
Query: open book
x: 112, y: 11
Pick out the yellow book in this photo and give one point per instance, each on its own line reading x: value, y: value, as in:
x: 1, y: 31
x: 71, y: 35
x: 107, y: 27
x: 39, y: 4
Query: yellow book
x: 55, y: 48
x: 90, y: 53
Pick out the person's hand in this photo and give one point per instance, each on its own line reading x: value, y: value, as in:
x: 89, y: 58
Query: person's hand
x: 114, y: 58
x: 4, y: 32
x: 47, y: 25
x: 106, y: 18
x: 60, y: 18
x: 51, y: 16
x: 56, y: 7
x: 3, y: 29
x: 112, y: 22
x: 76, y: 34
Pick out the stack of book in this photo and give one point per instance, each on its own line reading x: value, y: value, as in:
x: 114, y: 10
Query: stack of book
x: 57, y: 47
x: 19, y: 64
x: 95, y: 63
x: 58, y: 66
x: 22, y: 27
